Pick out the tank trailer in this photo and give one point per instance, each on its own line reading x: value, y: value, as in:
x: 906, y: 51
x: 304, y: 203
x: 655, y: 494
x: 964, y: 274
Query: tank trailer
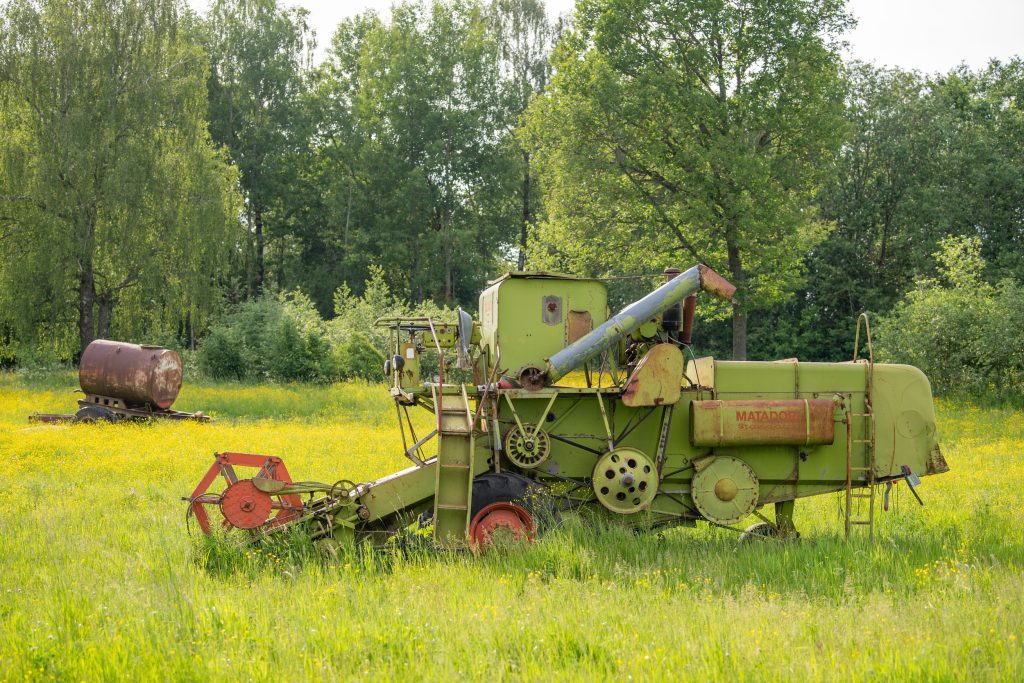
x: 570, y: 407
x: 123, y: 381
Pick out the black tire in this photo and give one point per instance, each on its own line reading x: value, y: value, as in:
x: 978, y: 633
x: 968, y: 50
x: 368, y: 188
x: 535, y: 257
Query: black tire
x: 509, y: 487
x: 94, y: 414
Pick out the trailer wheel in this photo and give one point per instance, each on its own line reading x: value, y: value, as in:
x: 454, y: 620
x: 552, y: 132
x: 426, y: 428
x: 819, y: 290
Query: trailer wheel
x: 509, y: 487
x: 94, y: 414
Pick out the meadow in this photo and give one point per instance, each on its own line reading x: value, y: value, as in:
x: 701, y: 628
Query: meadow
x: 101, y: 580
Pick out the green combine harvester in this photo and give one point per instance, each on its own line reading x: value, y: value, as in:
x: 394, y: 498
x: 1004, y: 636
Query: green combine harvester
x: 561, y: 406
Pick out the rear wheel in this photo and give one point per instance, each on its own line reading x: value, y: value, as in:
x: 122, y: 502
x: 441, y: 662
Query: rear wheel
x: 508, y: 506
x: 509, y: 487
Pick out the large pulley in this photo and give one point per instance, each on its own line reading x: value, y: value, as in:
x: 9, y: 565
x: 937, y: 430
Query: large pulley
x: 725, y: 490
x: 528, y: 447
x: 625, y: 480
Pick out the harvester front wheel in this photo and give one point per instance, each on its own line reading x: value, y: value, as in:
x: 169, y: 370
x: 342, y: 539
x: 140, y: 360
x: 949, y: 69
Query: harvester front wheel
x: 509, y: 487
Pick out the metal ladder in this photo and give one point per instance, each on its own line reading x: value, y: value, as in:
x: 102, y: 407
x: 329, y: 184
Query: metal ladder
x: 859, y: 476
x: 453, y: 485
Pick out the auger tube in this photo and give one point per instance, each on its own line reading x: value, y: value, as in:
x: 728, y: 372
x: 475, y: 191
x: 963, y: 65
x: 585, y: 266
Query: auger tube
x: 631, y: 317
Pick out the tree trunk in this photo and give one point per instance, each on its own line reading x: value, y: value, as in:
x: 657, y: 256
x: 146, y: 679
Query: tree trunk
x: 526, y: 211
x: 449, y: 279
x: 86, y: 299
x: 106, y: 308
x: 739, y: 317
x: 258, y: 276
x: 190, y: 331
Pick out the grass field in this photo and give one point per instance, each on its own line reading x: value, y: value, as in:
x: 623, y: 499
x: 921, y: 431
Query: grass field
x: 101, y: 581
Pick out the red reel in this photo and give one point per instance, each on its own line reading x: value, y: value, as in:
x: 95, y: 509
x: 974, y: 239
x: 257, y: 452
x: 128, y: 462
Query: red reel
x: 242, y: 503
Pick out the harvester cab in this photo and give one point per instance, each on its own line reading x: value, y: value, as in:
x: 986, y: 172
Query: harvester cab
x: 549, y: 404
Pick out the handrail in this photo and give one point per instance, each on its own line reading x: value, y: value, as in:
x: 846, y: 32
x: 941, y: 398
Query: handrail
x: 867, y: 334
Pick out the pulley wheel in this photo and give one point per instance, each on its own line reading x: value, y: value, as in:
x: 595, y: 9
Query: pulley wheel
x: 725, y: 491
x: 527, y: 448
x: 625, y: 480
x: 342, y: 490
x: 245, y: 506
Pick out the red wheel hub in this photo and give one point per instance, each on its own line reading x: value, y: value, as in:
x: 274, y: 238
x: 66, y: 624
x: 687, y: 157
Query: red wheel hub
x: 497, y: 518
x: 243, y: 505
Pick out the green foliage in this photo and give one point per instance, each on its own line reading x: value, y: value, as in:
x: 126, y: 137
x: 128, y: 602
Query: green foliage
x: 220, y: 358
x: 355, y: 315
x: 260, y: 55
x: 357, y: 358
x: 284, y: 338
x: 273, y: 337
x: 416, y: 173
x: 674, y: 134
x: 963, y: 333
x: 925, y: 157
x: 116, y: 207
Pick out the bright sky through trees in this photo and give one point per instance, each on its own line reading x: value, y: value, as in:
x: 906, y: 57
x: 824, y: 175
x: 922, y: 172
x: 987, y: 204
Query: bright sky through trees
x: 928, y: 35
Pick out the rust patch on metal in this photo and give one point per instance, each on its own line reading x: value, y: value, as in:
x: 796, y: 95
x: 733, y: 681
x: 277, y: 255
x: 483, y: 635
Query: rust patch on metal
x: 936, y: 461
x: 713, y: 283
x: 792, y: 422
x: 657, y: 378
x: 579, y: 325
x: 689, y: 308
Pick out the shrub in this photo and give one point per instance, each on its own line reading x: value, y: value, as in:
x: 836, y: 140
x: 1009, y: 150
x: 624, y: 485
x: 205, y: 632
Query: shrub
x: 288, y: 353
x: 964, y: 333
x: 273, y: 337
x: 219, y: 357
x: 356, y: 315
x: 357, y: 358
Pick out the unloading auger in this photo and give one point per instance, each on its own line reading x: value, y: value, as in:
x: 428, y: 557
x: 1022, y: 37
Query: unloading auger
x: 569, y: 407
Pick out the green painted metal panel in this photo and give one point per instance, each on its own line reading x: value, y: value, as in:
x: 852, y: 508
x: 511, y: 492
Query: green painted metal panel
x: 526, y: 317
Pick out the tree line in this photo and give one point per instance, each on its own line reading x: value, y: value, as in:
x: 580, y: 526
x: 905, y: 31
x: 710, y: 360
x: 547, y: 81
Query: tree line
x: 159, y: 168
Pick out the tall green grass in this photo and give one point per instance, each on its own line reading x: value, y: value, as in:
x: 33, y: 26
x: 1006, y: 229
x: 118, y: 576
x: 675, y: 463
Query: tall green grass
x: 102, y: 582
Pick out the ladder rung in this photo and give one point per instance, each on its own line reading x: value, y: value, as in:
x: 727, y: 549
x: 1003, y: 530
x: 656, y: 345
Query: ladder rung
x: 441, y: 506
x: 455, y: 466
x: 860, y: 469
x: 861, y: 440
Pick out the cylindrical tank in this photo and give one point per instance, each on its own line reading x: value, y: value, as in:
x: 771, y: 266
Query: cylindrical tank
x: 787, y: 422
x: 136, y: 374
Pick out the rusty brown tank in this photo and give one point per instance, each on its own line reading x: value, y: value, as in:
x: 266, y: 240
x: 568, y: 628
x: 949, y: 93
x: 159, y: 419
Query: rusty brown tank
x: 136, y: 374
x: 795, y: 422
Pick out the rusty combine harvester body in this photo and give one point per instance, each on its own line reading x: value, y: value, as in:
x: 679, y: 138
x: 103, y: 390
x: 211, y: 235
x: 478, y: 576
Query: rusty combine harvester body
x: 123, y: 381
x: 570, y: 407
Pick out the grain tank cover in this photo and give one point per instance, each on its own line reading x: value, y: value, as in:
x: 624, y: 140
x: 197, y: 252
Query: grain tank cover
x: 526, y: 317
x: 136, y: 374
